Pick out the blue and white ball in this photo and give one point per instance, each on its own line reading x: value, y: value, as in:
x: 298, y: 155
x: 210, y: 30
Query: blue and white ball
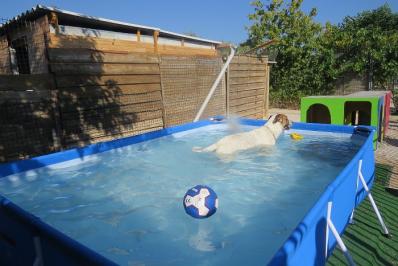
x: 200, y: 202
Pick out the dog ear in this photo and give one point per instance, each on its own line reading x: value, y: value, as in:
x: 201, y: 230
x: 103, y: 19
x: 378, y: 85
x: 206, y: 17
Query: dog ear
x: 277, y: 119
x: 286, y: 122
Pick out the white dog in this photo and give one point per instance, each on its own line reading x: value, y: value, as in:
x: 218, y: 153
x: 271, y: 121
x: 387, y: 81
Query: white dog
x: 262, y: 136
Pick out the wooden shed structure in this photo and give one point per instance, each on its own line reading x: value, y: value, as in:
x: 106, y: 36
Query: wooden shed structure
x: 68, y: 79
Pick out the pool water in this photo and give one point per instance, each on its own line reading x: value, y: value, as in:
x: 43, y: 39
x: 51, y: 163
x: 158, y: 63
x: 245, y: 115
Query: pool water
x: 127, y: 203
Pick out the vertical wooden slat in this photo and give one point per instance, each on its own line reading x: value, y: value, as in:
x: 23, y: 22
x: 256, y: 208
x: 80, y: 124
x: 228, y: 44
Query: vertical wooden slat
x: 138, y: 35
x: 155, y: 40
x: 162, y: 93
x: 57, y: 130
x: 227, y: 91
x: 266, y: 91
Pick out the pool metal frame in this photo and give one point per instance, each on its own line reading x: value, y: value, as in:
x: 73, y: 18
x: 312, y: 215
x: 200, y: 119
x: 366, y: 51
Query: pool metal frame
x: 25, y: 239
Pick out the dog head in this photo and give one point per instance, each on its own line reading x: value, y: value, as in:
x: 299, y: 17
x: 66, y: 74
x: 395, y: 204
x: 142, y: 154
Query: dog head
x: 281, y: 118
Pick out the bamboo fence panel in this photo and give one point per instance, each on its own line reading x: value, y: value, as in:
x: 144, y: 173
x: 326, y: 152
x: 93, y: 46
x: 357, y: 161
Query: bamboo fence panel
x: 186, y: 82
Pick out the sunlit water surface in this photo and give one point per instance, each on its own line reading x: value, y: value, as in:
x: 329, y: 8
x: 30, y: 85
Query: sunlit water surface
x: 126, y: 203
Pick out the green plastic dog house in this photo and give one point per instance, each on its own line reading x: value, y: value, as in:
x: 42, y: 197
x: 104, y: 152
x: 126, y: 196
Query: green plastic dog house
x: 361, y: 108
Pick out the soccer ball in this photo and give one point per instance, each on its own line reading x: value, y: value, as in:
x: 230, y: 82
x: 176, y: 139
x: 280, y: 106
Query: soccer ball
x: 200, y: 202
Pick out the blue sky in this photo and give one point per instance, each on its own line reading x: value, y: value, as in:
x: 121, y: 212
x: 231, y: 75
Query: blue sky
x: 213, y: 19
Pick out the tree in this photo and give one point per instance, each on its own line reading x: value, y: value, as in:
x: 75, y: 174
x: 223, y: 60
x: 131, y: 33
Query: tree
x: 368, y: 44
x: 304, y: 64
x: 311, y: 56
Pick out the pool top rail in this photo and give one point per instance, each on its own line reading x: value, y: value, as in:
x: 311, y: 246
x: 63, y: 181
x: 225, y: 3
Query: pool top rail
x: 26, y: 234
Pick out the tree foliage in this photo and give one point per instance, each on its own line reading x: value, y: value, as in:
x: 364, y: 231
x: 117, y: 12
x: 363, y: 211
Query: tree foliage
x: 310, y: 56
x: 368, y: 44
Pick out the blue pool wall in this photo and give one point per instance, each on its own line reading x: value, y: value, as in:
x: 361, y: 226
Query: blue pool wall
x: 306, y: 245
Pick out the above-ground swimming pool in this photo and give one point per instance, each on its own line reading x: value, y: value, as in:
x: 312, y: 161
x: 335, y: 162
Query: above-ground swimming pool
x: 125, y: 203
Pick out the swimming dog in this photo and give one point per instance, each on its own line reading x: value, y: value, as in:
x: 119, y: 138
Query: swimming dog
x: 262, y: 136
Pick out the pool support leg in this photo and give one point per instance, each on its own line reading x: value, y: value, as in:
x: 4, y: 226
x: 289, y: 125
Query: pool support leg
x: 370, y: 197
x: 330, y: 225
x: 328, y: 214
x: 351, y: 221
x: 39, y: 257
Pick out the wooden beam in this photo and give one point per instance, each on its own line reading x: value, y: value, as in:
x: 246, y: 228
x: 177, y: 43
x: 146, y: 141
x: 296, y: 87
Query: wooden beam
x: 101, y: 44
x: 227, y: 91
x: 119, y: 46
x: 138, y: 35
x: 182, y: 42
x: 35, y: 82
x: 263, y: 45
x: 65, y: 81
x: 155, y: 40
x: 74, y: 93
x: 76, y: 55
x: 106, y: 68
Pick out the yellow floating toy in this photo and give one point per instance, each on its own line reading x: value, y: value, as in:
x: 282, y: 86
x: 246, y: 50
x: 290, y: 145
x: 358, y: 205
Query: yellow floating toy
x: 296, y: 136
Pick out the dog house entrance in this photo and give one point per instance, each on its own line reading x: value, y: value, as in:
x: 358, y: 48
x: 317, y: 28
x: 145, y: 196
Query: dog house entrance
x: 318, y: 113
x: 357, y: 113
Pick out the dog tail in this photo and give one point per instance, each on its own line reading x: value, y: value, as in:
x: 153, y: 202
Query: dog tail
x: 207, y: 149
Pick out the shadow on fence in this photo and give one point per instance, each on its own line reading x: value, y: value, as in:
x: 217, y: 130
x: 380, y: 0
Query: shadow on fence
x: 39, y: 117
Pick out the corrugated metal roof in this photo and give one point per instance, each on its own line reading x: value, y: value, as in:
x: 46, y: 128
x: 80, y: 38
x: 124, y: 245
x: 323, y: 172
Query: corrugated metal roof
x: 77, y: 18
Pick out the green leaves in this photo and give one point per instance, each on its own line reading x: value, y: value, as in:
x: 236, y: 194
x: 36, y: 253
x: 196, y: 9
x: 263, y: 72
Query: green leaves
x: 300, y: 54
x: 311, y: 56
x: 370, y: 42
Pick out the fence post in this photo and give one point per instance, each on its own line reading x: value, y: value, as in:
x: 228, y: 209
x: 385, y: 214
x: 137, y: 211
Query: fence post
x: 162, y: 91
x: 57, y: 130
x: 227, y: 88
x: 266, y: 90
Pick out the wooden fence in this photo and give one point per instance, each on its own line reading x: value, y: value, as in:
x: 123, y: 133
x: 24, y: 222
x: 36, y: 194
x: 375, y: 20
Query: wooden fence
x: 95, y: 95
x: 105, y: 95
x: 248, y: 86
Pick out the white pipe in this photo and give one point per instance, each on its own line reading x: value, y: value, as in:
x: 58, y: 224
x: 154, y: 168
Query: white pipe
x: 215, y: 84
x: 356, y: 191
x: 341, y: 243
x: 39, y: 256
x: 365, y: 186
x: 328, y: 214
